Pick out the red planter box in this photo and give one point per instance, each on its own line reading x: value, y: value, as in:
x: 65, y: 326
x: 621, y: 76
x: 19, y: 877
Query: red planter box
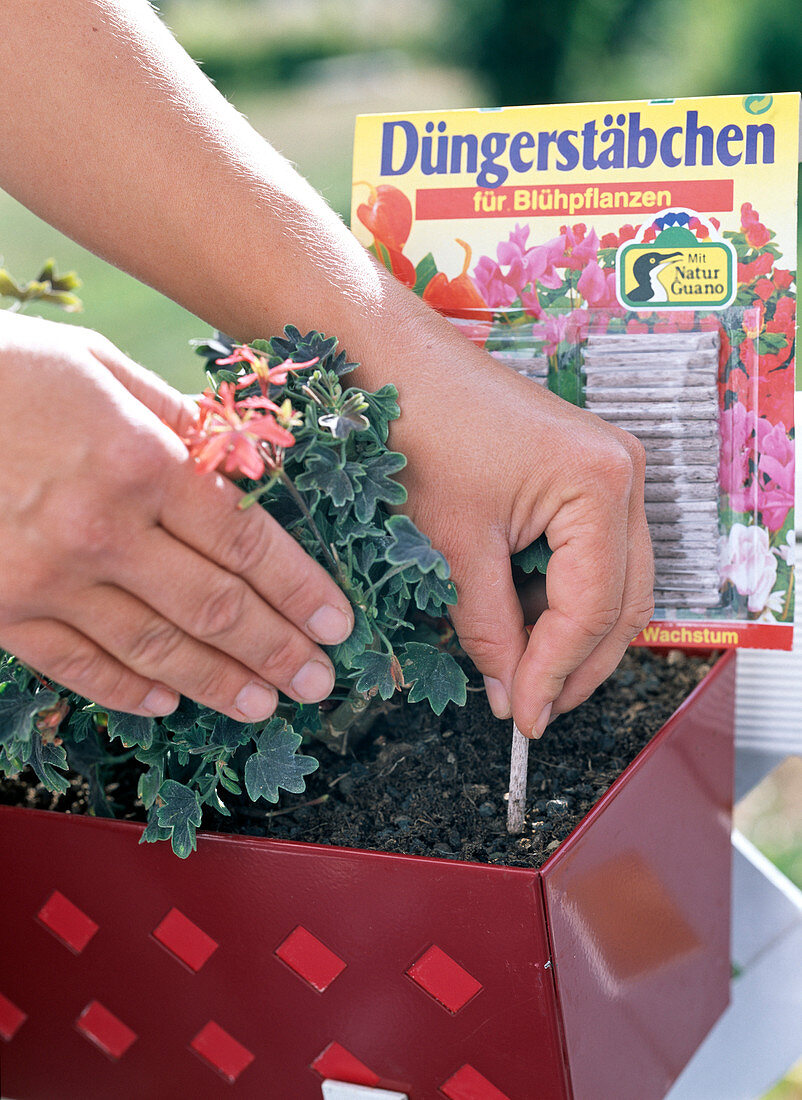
x: 258, y: 968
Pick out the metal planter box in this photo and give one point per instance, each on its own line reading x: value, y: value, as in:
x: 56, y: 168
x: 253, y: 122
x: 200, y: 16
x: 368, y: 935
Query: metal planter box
x: 259, y: 968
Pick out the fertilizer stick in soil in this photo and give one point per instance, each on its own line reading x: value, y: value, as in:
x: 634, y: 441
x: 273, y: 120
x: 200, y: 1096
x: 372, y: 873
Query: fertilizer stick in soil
x: 516, y: 804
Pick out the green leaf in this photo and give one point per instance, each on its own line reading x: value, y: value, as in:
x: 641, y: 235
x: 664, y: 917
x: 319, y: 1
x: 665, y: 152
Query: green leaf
x: 183, y: 717
x: 18, y: 710
x: 425, y: 271
x: 44, y: 757
x: 307, y: 719
x: 377, y: 672
x: 132, y: 729
x: 356, y: 642
x: 181, y: 814
x: 81, y: 724
x: 229, y: 735
x: 326, y: 471
x: 432, y: 593
x: 383, y: 405
x: 411, y: 547
x: 535, y: 556
x: 376, y: 485
x: 149, y: 784
x: 434, y: 675
x: 276, y: 764
x: 154, y: 831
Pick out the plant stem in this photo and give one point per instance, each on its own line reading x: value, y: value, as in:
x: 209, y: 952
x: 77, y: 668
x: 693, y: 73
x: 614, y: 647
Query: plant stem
x: 516, y: 805
x: 387, y: 576
x: 313, y: 527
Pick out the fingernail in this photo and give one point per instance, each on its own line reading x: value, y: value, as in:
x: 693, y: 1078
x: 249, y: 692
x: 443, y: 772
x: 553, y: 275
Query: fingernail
x: 497, y: 697
x: 542, y: 722
x: 256, y: 701
x: 313, y: 682
x: 329, y: 625
x: 160, y: 700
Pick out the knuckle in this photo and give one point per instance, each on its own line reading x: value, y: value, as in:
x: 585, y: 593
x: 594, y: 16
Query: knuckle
x: 636, y: 452
x: 284, y: 656
x: 83, y: 665
x: 297, y: 594
x: 634, y: 621
x: 248, y: 543
x: 600, y: 621
x: 617, y: 470
x: 213, y: 685
x: 221, y: 610
x: 151, y: 646
x: 81, y: 527
x: 484, y: 650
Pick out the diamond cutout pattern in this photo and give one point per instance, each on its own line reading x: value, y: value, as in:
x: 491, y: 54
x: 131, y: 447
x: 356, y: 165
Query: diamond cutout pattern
x: 67, y: 922
x: 341, y: 1065
x: 221, y: 1051
x: 468, y: 1084
x: 449, y: 983
x: 11, y: 1018
x: 185, y: 940
x: 310, y: 959
x: 105, y: 1030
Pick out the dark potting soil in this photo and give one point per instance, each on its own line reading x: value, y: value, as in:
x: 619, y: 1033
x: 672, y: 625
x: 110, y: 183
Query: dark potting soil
x: 423, y: 785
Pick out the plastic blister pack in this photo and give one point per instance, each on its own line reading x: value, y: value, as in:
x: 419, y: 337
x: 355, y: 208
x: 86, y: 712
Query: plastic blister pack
x: 669, y: 310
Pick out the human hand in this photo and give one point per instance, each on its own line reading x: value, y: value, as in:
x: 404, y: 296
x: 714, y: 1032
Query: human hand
x: 126, y: 575
x: 494, y: 461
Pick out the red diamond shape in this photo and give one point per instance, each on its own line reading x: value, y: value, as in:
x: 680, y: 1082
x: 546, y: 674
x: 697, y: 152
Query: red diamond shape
x: 341, y: 1065
x: 221, y: 1051
x: 185, y: 940
x: 468, y: 1084
x: 67, y: 922
x: 105, y: 1029
x: 310, y: 959
x: 11, y: 1018
x: 447, y: 981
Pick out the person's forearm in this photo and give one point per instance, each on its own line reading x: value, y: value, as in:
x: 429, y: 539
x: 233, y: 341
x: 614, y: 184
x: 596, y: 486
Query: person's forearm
x: 124, y: 145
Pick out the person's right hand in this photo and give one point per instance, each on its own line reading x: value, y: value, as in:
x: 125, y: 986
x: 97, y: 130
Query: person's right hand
x: 126, y: 575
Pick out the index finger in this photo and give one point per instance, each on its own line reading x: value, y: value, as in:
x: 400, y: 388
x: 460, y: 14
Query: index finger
x: 585, y: 583
x: 202, y: 511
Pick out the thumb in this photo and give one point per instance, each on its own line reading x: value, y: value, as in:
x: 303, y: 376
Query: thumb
x: 489, y: 622
x: 175, y: 409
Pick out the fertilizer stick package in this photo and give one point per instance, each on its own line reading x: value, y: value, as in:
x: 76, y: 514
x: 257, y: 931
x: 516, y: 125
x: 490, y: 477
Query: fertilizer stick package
x: 639, y: 259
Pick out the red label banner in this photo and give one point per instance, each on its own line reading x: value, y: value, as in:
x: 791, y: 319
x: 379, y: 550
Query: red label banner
x: 572, y: 199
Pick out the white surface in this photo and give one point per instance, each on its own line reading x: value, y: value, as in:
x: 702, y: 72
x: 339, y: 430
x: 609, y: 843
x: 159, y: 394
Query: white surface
x: 760, y: 1035
x: 341, y: 1090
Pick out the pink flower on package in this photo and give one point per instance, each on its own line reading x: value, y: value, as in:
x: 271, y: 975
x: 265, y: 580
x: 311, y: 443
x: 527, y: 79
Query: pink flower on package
x: 775, y: 473
x: 737, y: 427
x: 748, y: 563
x: 597, y: 286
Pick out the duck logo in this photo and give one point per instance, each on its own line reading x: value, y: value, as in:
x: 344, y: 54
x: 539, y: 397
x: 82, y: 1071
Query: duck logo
x: 677, y: 261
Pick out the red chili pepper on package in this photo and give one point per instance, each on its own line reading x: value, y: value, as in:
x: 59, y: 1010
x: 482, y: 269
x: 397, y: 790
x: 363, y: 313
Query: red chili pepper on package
x: 387, y: 214
x: 457, y: 297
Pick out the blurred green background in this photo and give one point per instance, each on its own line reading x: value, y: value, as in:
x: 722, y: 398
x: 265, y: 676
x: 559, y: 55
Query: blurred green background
x: 302, y: 71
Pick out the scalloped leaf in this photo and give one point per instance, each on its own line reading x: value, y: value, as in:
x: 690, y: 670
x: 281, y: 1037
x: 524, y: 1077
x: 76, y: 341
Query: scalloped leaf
x: 434, y: 676
x: 376, y: 485
x: 411, y: 547
x: 533, y: 557
x: 180, y: 812
x: 276, y: 763
x: 380, y: 672
x: 18, y: 710
x: 132, y: 729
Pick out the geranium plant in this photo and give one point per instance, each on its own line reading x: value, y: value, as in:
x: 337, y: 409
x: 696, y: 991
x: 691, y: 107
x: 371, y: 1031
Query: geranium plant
x: 279, y: 417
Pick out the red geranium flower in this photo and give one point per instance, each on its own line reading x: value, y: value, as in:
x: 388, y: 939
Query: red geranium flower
x: 230, y: 435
